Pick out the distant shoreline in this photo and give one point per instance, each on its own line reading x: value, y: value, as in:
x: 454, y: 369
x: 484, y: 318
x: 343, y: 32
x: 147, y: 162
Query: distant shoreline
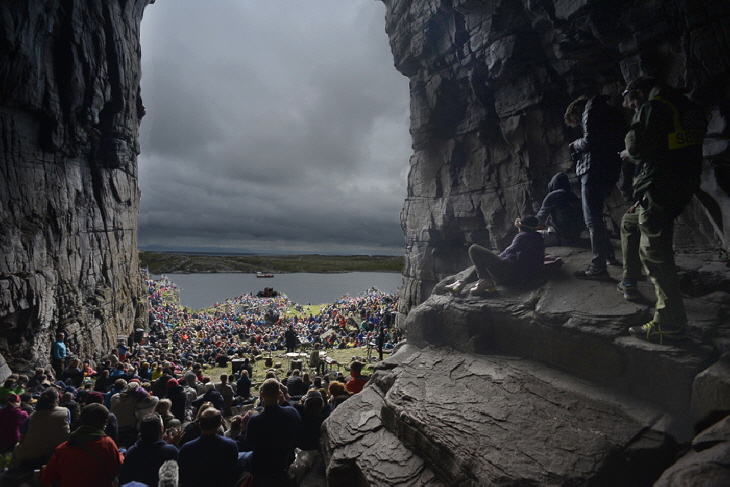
x: 204, y: 263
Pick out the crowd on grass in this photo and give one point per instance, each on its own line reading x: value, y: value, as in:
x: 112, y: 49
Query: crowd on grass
x: 151, y: 399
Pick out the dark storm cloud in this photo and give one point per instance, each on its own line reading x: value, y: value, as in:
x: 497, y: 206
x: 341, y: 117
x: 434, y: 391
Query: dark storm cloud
x: 277, y: 125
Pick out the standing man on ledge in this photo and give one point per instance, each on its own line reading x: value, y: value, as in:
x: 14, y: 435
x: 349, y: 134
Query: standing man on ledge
x: 58, y: 354
x: 665, y: 142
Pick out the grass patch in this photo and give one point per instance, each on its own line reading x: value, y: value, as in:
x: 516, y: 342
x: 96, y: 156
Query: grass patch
x: 344, y: 357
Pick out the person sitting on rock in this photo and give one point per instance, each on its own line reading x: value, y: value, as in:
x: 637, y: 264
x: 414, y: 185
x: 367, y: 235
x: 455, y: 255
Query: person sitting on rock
x: 516, y: 264
x: 358, y: 381
x: 561, y: 213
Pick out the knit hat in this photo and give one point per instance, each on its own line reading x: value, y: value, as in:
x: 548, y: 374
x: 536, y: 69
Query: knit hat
x: 13, y: 398
x: 94, y: 397
x: 313, y: 396
x: 171, y: 383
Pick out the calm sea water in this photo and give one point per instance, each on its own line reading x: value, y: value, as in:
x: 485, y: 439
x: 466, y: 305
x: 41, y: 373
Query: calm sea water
x: 198, y: 291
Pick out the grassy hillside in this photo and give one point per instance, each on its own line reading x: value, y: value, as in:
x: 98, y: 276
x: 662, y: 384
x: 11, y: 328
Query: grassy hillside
x: 161, y: 263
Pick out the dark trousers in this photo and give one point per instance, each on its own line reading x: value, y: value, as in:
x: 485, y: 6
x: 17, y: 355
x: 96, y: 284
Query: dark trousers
x: 488, y: 265
x: 594, y: 190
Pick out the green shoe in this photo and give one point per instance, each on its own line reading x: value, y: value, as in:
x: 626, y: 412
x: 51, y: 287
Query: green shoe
x: 652, y: 332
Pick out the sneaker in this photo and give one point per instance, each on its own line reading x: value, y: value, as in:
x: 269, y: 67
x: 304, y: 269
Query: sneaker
x: 483, y: 287
x: 653, y: 331
x: 592, y: 273
x: 456, y: 287
x: 631, y: 293
x: 612, y: 261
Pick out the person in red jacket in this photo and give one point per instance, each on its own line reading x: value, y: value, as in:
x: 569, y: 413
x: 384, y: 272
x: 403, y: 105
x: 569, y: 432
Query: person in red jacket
x: 358, y: 380
x: 89, y: 457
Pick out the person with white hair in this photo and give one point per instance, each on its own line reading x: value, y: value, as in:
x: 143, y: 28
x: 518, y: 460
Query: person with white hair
x: 124, y: 407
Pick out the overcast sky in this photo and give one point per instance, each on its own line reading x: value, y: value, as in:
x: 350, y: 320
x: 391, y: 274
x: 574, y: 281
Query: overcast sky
x: 272, y: 125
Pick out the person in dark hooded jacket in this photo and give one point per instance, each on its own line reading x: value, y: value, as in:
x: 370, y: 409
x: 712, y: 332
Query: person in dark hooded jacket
x: 211, y: 395
x: 159, y: 387
x: 176, y: 394
x: 561, y: 212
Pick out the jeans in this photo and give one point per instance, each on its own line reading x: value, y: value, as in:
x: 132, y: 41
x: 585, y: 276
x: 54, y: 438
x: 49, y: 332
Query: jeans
x: 594, y: 191
x: 488, y: 265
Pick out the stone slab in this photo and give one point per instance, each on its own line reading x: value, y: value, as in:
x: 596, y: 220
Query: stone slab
x: 477, y: 420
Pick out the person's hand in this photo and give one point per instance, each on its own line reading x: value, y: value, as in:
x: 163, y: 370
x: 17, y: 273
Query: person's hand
x: 173, y: 436
x: 624, y: 155
x: 633, y: 207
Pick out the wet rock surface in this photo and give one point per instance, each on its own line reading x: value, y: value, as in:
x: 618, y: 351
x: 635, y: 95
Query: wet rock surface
x: 453, y: 418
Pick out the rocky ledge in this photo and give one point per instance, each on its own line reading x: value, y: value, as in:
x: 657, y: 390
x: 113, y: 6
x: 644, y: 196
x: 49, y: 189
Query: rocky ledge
x: 543, y: 385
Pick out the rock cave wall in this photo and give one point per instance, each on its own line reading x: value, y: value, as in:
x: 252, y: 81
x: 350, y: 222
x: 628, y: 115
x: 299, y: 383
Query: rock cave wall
x: 489, y: 83
x: 69, y: 115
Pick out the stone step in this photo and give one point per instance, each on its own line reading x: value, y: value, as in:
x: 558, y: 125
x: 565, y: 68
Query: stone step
x: 581, y: 327
x: 438, y: 416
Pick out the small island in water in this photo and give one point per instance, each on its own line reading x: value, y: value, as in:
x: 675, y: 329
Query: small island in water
x: 176, y: 263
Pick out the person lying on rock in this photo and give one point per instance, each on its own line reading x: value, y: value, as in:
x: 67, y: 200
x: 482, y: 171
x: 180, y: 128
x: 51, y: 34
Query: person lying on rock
x: 518, y: 263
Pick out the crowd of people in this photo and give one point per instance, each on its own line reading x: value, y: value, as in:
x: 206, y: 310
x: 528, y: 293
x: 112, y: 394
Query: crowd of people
x: 151, y: 399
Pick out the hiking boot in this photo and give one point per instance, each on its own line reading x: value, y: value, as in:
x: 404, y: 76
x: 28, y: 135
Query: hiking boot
x: 456, y: 287
x: 631, y: 293
x: 592, y: 273
x: 653, y: 331
x: 483, y: 287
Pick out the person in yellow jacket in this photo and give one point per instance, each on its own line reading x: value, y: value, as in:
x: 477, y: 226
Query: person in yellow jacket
x: 665, y: 143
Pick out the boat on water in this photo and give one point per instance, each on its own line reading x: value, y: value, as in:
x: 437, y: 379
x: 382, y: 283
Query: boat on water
x: 264, y: 274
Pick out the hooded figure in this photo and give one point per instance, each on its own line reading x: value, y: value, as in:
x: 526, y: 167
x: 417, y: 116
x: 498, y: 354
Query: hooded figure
x: 562, y: 211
